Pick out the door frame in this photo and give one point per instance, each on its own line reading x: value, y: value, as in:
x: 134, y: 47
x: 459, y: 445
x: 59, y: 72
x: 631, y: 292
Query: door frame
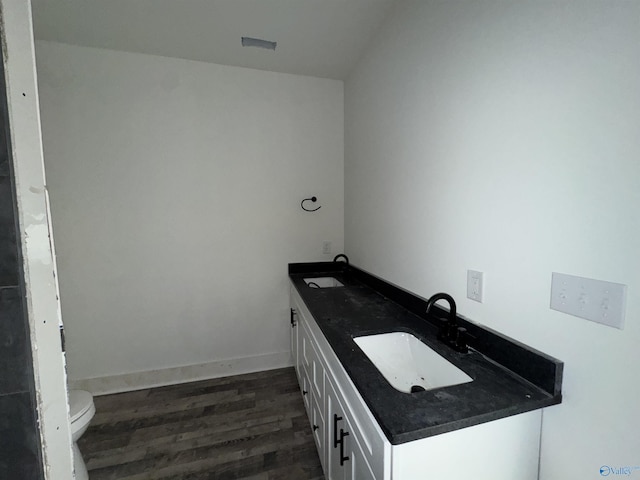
x: 40, y: 276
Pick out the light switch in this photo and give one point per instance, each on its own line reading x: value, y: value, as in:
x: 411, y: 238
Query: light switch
x: 595, y: 300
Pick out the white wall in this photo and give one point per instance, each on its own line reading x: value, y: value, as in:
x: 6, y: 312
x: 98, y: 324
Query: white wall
x: 175, y: 189
x: 503, y: 137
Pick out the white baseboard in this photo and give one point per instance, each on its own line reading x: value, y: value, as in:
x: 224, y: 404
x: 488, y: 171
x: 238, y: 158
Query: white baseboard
x: 129, y: 382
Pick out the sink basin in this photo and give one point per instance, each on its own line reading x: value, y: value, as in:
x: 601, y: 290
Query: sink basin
x: 408, y: 364
x: 323, y: 282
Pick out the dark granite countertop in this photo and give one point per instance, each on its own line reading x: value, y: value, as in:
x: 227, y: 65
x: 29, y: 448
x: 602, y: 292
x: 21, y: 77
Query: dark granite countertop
x: 508, y: 377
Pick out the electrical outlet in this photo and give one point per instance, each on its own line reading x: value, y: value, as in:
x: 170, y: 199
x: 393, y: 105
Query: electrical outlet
x: 595, y: 300
x: 326, y: 248
x: 475, y: 285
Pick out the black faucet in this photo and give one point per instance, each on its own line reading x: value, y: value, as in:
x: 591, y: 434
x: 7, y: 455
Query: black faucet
x: 450, y: 333
x: 342, y: 255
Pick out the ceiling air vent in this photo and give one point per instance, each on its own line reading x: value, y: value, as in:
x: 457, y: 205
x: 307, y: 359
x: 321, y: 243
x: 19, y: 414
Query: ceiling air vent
x: 257, y: 42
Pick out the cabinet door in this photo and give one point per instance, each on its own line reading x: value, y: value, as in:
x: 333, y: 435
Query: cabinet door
x: 305, y: 388
x: 359, y: 468
x: 345, y: 457
x: 294, y: 319
x: 319, y: 431
x: 305, y: 350
x: 337, y: 466
x: 312, y: 360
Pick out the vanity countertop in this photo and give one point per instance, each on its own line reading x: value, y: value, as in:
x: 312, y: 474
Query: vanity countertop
x: 508, y: 377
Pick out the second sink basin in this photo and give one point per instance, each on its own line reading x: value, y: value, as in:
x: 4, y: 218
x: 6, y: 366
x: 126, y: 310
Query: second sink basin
x: 323, y: 282
x: 408, y: 364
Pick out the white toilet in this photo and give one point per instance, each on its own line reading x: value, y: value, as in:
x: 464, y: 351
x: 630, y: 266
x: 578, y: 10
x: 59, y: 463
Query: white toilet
x: 81, y: 411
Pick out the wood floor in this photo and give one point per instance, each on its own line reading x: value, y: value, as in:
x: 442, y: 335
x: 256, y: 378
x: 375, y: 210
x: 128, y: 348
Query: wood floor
x: 251, y: 427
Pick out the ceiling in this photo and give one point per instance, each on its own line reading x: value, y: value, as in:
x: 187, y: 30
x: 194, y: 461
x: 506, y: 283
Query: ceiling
x: 321, y: 38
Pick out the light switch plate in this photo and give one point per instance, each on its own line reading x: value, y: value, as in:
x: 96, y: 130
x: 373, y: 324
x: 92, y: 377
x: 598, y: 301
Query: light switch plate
x: 595, y: 300
x: 475, y: 285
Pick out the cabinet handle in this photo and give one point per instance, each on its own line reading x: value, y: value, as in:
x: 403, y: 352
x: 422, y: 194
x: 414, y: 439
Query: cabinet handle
x: 293, y: 320
x: 336, y: 419
x: 342, y: 456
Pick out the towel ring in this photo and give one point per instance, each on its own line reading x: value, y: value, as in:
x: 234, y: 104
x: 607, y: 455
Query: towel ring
x: 312, y: 199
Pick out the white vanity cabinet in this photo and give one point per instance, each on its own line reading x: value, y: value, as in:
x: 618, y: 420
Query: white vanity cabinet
x: 336, y: 412
x: 351, y: 444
